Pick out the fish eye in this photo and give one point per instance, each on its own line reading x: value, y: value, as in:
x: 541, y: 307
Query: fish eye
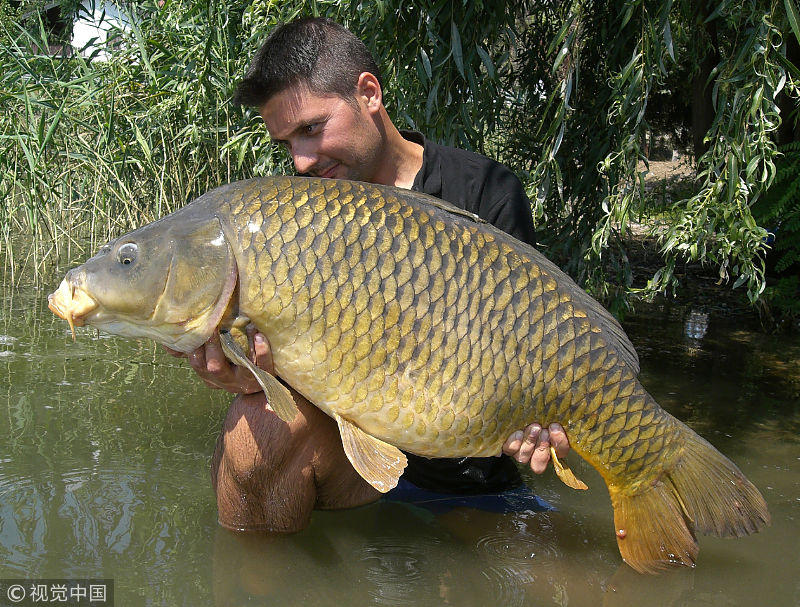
x: 126, y: 254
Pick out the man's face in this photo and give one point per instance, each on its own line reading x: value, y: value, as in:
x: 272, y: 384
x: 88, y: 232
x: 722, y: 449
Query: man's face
x: 327, y: 136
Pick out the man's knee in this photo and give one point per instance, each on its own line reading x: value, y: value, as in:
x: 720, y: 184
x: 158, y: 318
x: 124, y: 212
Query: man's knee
x: 253, y: 439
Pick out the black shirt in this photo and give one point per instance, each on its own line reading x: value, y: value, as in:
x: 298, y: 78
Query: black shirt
x: 491, y: 191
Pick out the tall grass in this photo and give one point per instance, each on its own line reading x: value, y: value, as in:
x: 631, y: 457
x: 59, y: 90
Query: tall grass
x: 90, y: 148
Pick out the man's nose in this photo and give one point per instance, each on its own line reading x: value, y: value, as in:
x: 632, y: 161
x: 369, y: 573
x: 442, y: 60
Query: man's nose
x: 304, y: 158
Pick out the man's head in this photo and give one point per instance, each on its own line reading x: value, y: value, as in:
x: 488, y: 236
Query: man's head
x: 318, y: 90
x: 318, y: 53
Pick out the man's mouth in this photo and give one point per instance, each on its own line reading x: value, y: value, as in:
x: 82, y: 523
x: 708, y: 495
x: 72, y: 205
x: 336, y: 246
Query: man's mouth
x: 329, y: 172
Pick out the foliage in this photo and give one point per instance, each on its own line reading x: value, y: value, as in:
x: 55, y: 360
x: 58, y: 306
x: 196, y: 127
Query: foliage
x: 562, y: 92
x: 779, y: 211
x: 779, y: 208
x: 602, y: 126
x: 99, y: 146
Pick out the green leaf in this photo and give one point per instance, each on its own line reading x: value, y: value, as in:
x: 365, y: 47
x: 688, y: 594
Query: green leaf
x: 794, y: 17
x: 795, y: 71
x: 455, y: 45
x: 668, y: 40
x: 560, y: 57
x: 53, y: 126
x: 426, y: 62
x: 561, y: 33
x: 487, y: 61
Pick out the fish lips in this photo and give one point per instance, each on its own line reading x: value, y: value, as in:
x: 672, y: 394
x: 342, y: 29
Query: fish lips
x: 71, y: 303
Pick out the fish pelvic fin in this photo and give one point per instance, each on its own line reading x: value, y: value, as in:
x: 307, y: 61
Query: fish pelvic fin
x: 698, y: 490
x: 278, y: 396
x: 564, y: 472
x: 378, y: 463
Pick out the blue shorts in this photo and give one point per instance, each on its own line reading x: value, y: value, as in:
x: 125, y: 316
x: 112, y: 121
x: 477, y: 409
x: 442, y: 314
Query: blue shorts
x: 519, y: 499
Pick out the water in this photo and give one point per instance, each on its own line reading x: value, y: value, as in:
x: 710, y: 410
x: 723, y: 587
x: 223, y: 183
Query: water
x: 104, y: 473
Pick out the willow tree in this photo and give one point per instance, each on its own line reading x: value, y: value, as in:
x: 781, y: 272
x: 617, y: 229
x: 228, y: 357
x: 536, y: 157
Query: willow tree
x: 609, y: 59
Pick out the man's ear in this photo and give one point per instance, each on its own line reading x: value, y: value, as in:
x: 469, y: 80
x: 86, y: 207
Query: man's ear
x: 369, y: 91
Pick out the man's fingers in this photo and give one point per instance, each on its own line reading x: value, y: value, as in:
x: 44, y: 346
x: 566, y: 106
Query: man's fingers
x: 215, y: 357
x: 559, y: 440
x: 541, y: 453
x: 197, y: 360
x: 260, y: 351
x: 513, y: 443
x: 530, y: 437
x: 263, y: 353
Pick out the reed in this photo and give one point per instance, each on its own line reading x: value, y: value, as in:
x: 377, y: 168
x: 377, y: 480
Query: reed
x: 91, y: 147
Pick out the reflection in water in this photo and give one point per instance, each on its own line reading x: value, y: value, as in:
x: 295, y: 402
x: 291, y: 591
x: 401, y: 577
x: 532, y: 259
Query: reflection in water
x: 104, y: 473
x: 696, y: 325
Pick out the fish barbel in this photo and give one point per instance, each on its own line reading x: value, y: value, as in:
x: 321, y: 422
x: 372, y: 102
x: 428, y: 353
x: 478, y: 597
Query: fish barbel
x: 416, y: 326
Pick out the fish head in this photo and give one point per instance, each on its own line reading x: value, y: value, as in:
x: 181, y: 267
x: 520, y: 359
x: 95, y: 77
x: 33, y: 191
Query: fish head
x: 170, y: 281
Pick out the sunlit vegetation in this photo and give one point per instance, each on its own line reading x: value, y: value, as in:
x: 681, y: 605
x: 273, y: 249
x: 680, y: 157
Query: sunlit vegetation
x: 566, y: 93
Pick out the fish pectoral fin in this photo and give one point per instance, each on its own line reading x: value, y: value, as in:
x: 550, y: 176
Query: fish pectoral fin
x: 378, y: 463
x: 565, y: 474
x: 278, y: 396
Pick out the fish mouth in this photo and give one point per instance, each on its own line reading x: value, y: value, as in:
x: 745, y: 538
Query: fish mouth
x: 72, y: 304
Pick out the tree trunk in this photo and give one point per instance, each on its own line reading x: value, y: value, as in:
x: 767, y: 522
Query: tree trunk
x: 702, y: 107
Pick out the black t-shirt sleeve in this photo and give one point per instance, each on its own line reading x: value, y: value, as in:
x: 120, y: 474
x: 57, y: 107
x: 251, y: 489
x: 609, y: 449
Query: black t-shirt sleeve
x: 505, y: 205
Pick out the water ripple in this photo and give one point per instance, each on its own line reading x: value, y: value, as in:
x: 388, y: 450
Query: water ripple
x: 508, y: 584
x: 511, y: 548
x: 394, y: 567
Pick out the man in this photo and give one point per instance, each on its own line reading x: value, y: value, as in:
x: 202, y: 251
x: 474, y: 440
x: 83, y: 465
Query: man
x: 319, y: 93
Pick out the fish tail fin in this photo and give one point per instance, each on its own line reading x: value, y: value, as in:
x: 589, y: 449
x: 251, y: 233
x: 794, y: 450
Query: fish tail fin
x: 699, y: 489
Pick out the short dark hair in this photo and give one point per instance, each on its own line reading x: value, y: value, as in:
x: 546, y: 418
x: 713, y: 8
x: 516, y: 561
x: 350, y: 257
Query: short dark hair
x: 313, y: 51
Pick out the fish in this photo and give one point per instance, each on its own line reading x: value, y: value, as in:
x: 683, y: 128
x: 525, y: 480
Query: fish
x: 417, y: 327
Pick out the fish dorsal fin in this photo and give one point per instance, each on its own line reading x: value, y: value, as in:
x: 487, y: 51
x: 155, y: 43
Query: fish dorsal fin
x: 378, y: 463
x: 278, y: 396
x: 443, y: 205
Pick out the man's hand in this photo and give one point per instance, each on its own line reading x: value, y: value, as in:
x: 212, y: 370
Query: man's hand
x: 219, y: 373
x: 532, y: 446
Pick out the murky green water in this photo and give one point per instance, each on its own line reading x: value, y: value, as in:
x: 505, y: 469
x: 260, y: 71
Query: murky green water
x: 104, y: 473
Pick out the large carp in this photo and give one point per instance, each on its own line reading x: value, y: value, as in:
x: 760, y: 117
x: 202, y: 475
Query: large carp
x: 416, y: 326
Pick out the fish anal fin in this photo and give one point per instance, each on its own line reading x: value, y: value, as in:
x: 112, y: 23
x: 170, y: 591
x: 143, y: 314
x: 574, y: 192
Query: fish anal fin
x: 565, y: 474
x: 278, y: 396
x: 652, y: 531
x: 378, y: 463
